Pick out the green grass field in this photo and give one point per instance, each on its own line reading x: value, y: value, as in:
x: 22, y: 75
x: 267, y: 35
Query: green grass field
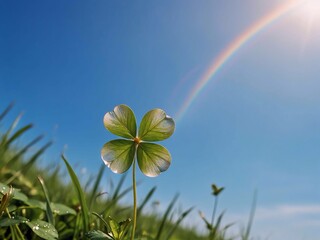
x: 37, y: 203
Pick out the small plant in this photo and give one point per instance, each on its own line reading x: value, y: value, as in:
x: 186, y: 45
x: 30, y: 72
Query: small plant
x: 136, y: 146
x: 215, y: 232
x: 215, y: 192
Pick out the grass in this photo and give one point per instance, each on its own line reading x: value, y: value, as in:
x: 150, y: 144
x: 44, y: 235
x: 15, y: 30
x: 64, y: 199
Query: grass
x: 36, y: 203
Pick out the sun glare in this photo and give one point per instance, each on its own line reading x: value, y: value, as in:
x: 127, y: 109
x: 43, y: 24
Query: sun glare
x: 310, y: 10
x: 306, y: 14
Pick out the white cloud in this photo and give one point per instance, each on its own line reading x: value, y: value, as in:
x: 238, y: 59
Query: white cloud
x: 288, y: 221
x: 287, y: 211
x: 278, y: 222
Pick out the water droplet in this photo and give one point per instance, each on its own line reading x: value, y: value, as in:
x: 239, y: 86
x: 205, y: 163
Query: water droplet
x: 35, y: 228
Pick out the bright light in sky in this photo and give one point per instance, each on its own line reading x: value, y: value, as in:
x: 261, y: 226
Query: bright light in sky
x: 306, y: 15
x: 310, y: 10
x: 312, y: 7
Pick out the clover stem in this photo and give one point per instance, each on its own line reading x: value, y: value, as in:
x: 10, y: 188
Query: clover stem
x: 134, y: 199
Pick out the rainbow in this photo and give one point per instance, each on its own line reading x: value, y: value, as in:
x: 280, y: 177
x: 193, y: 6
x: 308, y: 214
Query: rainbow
x: 232, y: 48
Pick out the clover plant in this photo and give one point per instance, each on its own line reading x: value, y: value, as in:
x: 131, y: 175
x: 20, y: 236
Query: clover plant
x: 135, y: 145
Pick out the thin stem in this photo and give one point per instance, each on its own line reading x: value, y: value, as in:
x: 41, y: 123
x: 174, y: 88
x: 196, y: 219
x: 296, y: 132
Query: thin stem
x: 134, y: 199
x: 15, y: 228
x: 214, y: 210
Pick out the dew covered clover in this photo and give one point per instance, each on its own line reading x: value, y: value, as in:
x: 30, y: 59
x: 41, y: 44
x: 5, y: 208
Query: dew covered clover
x: 119, y: 154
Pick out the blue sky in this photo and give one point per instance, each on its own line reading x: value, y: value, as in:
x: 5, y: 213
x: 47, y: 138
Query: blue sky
x: 254, y: 126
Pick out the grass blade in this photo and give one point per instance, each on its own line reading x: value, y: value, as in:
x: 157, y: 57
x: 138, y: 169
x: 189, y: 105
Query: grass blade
x: 165, y: 216
x: 48, y: 203
x: 28, y: 165
x: 119, y: 186
x: 176, y: 225
x: 146, y: 199
x: 34, y: 158
x: 96, y: 186
x: 114, y: 201
x: 216, y: 228
x: 252, y: 213
x: 24, y: 150
x: 101, y: 219
x: 4, y: 138
x: 18, y: 133
x: 81, y: 196
x: 5, y: 112
x: 117, y: 195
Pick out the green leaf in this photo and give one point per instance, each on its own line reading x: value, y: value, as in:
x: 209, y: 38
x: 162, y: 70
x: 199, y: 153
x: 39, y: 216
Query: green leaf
x: 118, y: 154
x: 6, y: 222
x: 114, y: 227
x: 61, y: 209
x: 43, y: 229
x: 216, y: 190
x: 156, y: 126
x: 153, y: 159
x: 121, y: 122
x: 97, y: 235
x: 17, y: 195
x: 36, y: 203
x: 118, y: 230
x: 57, y: 208
x: 123, y: 226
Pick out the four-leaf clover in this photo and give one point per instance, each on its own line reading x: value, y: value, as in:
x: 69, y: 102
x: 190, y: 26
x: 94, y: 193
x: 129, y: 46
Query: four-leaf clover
x: 119, y: 154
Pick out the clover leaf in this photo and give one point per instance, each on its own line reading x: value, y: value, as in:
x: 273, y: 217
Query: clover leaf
x: 119, y: 154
